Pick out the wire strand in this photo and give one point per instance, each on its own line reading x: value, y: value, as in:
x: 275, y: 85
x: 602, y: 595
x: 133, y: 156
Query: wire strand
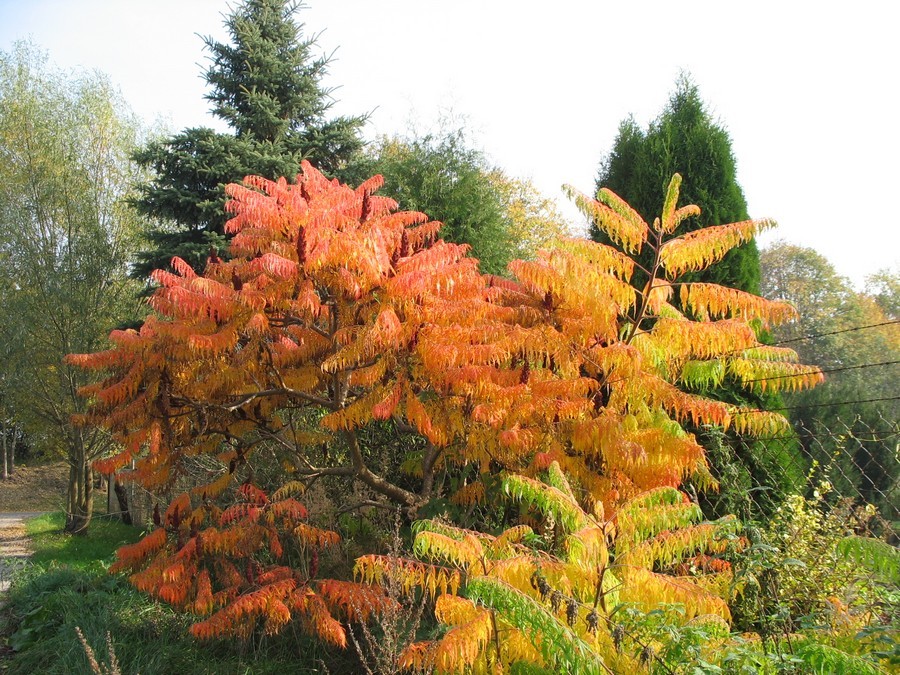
x: 818, y: 405
x: 836, y: 332
x: 869, y: 436
x: 815, y: 372
x: 814, y: 336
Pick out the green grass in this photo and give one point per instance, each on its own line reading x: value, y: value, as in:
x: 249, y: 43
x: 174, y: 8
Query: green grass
x: 51, y: 544
x: 68, y: 585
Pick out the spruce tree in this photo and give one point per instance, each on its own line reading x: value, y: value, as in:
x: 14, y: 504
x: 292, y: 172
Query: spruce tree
x: 265, y: 84
x: 684, y: 139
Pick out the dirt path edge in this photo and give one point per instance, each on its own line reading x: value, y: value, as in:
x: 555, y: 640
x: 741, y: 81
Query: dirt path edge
x: 15, y: 546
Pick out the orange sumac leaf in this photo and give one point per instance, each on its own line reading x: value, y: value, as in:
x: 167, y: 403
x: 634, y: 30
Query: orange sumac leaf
x: 699, y: 249
x: 132, y: 555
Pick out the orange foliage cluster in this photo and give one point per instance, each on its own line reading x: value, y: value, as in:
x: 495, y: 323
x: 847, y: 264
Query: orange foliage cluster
x: 206, y: 560
x: 333, y: 300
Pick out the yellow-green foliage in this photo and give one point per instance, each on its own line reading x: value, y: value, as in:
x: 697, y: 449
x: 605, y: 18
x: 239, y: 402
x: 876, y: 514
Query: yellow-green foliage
x: 872, y: 555
x: 823, y: 568
x: 554, y: 609
x: 812, y: 570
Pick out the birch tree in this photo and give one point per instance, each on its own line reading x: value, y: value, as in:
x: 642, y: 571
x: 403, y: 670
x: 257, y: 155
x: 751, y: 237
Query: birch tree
x: 66, y: 235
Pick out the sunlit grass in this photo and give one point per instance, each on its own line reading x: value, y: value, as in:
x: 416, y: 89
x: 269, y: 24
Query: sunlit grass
x: 52, y: 544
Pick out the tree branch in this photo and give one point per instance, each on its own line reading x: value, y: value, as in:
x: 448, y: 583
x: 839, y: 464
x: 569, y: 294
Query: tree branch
x: 428, y: 461
x: 363, y: 504
x: 279, y: 391
x: 374, y: 481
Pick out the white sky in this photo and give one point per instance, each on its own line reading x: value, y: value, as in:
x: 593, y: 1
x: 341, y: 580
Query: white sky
x: 808, y: 90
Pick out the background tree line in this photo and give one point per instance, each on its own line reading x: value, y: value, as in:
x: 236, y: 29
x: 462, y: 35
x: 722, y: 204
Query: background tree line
x: 66, y: 240
x: 142, y: 201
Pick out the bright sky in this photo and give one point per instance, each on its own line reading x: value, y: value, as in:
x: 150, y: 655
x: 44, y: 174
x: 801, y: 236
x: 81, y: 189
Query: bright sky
x: 808, y: 90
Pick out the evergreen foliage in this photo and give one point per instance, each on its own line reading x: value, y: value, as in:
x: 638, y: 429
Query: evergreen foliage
x: 443, y: 176
x: 266, y: 85
x: 684, y: 139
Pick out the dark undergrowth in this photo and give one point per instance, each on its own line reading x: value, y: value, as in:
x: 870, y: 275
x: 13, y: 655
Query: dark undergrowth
x: 68, y: 586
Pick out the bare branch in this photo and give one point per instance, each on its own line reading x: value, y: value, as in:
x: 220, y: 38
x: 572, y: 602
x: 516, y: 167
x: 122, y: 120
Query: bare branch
x: 374, y: 481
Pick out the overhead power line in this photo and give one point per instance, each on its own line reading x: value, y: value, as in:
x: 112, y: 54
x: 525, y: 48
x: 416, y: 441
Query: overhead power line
x: 836, y: 332
x: 803, y: 432
x: 827, y: 370
x: 808, y: 337
x: 819, y: 405
x: 815, y: 336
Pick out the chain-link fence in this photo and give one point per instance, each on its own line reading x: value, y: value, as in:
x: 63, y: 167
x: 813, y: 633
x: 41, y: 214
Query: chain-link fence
x: 820, y: 506
x: 851, y: 462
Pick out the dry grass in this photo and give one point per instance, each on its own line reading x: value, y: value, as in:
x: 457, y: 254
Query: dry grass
x: 98, y: 668
x: 35, y: 488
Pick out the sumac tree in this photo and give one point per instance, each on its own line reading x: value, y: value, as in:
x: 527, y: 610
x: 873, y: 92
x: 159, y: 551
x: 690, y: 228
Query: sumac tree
x: 494, y: 592
x: 335, y: 312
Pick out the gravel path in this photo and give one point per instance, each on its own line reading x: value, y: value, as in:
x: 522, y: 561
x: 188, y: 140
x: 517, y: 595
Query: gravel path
x: 14, y: 548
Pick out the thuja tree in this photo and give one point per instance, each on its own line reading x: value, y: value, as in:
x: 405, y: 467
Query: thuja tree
x: 335, y: 312
x: 687, y: 139
x: 266, y: 86
x: 684, y: 139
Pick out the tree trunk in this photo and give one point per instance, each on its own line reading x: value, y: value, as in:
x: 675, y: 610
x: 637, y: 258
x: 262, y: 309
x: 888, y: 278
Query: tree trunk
x: 122, y: 496
x: 80, y: 506
x: 6, y: 471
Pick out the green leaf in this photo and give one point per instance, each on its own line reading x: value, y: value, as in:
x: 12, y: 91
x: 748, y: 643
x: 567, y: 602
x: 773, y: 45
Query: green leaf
x: 826, y: 659
x: 794, y: 562
x: 561, y: 648
x: 547, y: 499
x: 668, y: 212
x: 874, y: 554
